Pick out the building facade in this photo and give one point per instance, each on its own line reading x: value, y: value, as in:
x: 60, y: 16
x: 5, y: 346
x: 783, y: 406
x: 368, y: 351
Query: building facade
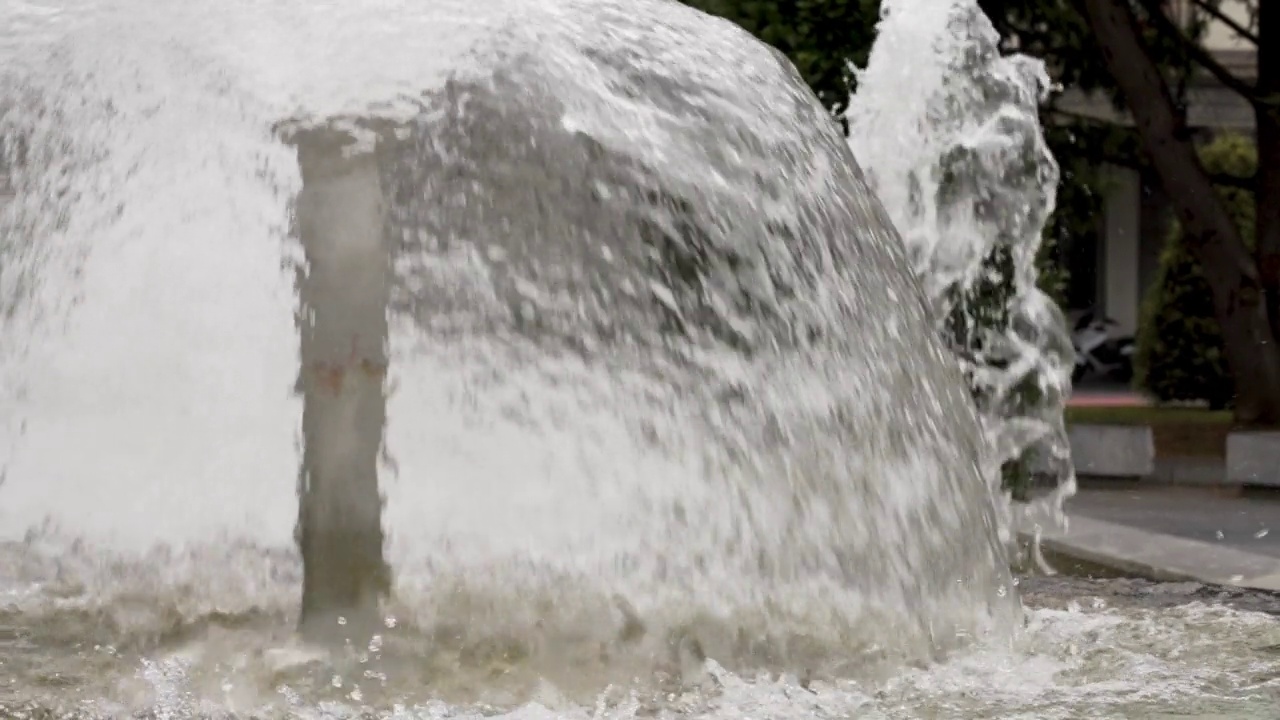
x: 1113, y: 269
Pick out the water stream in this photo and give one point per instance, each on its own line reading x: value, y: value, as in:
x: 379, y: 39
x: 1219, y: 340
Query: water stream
x: 567, y: 341
x: 963, y: 169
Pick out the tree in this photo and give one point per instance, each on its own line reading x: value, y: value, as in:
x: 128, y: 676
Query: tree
x: 1245, y: 285
x: 1135, y: 51
x: 1180, y: 353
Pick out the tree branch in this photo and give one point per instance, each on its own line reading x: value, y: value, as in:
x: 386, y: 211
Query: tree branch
x: 1135, y: 161
x: 1080, y: 117
x: 1227, y: 20
x: 1205, y: 59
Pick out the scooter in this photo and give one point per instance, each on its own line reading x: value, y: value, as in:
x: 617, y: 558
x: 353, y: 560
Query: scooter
x: 1100, y: 350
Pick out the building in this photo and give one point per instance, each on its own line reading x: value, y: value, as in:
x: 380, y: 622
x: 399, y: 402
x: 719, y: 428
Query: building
x: 1113, y: 269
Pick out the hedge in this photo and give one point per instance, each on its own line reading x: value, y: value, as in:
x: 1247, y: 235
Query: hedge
x: 1180, y: 354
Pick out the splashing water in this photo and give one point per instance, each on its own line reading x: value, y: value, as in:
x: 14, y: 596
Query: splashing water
x: 970, y: 183
x: 663, y: 382
x: 670, y: 429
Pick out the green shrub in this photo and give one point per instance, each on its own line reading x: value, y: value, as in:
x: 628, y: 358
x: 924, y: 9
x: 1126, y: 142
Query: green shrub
x: 1179, y: 353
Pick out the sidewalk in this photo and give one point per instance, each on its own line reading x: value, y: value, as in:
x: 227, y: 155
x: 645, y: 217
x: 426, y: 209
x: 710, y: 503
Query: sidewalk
x: 1173, y: 533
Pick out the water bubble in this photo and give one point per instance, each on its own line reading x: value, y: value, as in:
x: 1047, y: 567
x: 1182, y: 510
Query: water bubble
x: 289, y: 694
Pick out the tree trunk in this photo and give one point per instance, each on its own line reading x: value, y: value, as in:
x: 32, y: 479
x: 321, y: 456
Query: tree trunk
x: 1253, y: 354
x: 1267, y: 114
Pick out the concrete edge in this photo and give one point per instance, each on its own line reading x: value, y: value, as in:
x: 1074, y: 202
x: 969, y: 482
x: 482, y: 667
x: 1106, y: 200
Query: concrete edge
x: 1191, y: 470
x: 1112, y: 450
x: 1157, y: 556
x: 1253, y: 457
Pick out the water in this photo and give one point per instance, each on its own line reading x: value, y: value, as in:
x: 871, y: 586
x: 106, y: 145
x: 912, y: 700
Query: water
x: 963, y: 169
x: 668, y: 425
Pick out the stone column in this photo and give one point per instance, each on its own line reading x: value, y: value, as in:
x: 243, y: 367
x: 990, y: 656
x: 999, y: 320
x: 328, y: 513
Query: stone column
x: 344, y: 294
x: 1121, y: 245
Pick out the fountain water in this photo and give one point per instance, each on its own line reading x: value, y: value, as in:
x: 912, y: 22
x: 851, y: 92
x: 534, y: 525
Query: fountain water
x: 970, y: 183
x: 667, y: 423
x: 658, y: 362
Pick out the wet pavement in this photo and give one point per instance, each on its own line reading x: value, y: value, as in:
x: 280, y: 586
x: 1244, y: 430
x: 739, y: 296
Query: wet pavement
x: 1243, y: 521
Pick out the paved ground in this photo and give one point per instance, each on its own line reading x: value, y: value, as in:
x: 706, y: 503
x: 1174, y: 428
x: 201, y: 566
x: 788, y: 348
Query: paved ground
x: 1206, y: 533
x: 1174, y: 533
x: 1246, y: 522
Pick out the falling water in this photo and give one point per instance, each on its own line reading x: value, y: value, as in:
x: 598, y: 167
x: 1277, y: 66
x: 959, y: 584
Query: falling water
x: 962, y: 167
x: 662, y: 423
x: 660, y: 380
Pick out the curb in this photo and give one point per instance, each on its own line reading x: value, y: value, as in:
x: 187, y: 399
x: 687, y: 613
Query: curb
x: 1102, y: 450
x: 1253, y: 457
x: 1157, y: 556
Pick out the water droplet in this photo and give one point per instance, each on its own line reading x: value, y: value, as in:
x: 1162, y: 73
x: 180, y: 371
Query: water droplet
x: 356, y: 695
x: 342, y: 621
x: 1261, y: 533
x: 1219, y: 534
x: 336, y: 681
x: 1237, y: 578
x: 390, y: 622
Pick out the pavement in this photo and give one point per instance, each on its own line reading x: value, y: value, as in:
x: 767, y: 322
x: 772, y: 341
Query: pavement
x: 1210, y: 535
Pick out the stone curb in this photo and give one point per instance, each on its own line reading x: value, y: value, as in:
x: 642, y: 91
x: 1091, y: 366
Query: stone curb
x: 1099, y: 450
x: 1128, y: 451
x: 1253, y: 458
x: 1162, y: 557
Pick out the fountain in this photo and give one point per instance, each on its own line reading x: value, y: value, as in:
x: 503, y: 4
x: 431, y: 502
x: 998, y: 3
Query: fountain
x: 554, y: 353
x: 970, y: 184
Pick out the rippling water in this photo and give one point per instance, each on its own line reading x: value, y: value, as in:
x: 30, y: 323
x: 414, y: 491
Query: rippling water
x: 1106, y: 649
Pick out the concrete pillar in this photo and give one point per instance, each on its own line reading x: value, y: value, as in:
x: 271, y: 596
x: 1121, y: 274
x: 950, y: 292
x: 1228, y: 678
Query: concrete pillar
x: 344, y: 296
x: 1122, y: 249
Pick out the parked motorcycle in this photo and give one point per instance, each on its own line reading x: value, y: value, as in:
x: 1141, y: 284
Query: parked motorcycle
x: 1100, y: 349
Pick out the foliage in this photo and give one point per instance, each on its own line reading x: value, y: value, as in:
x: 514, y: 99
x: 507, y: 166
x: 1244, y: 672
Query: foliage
x: 1164, y: 47
x: 1180, y: 352
x: 1153, y: 415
